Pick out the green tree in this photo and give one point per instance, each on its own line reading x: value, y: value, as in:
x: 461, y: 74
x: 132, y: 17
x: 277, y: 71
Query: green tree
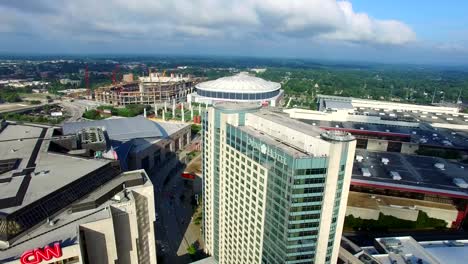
x: 12, y: 97
x: 92, y: 114
x: 191, y: 250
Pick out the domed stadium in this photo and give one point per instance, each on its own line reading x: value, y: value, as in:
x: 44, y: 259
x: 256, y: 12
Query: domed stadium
x: 240, y: 87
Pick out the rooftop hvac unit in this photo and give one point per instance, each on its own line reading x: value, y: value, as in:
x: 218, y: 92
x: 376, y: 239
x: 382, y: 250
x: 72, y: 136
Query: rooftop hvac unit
x: 359, y: 158
x: 365, y: 172
x: 447, y: 143
x: 385, y: 161
x: 440, y: 166
x: 117, y: 198
x: 460, y: 183
x: 395, y: 175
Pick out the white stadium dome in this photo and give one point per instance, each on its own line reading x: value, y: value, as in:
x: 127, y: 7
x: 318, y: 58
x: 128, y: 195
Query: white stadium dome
x: 240, y: 87
x: 241, y: 82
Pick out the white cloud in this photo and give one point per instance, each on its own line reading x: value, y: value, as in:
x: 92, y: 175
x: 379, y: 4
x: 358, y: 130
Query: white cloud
x: 210, y: 19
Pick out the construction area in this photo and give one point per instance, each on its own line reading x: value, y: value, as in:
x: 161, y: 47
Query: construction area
x: 152, y: 89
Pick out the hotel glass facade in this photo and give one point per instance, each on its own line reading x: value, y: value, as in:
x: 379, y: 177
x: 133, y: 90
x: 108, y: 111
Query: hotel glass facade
x: 269, y: 197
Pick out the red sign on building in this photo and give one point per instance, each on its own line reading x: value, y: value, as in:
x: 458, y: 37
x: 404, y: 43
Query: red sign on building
x: 38, y: 255
x: 188, y: 176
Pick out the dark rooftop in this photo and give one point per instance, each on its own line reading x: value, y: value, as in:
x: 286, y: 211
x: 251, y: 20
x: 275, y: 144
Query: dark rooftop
x: 40, y: 180
x: 417, y: 173
x: 423, y: 135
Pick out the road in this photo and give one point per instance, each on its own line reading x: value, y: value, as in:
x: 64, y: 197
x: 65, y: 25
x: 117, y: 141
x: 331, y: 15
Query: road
x: 75, y: 111
x: 77, y: 108
x: 18, y: 107
x: 174, y: 230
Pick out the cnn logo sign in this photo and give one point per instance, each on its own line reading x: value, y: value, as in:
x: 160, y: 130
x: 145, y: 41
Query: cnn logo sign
x: 37, y: 255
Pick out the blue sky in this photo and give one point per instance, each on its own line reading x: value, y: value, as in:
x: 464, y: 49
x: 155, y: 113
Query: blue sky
x: 431, y: 20
x: 419, y: 32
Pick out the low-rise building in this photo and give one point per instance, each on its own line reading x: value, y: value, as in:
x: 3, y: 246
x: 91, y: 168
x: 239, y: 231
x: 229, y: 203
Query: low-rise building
x: 69, y: 81
x: 425, y: 184
x: 403, y: 250
x: 139, y: 142
x: 63, y: 206
x: 127, y: 78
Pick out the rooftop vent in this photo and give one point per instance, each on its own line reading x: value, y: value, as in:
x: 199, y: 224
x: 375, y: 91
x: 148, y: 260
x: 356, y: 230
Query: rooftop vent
x: 385, y: 161
x: 440, y: 166
x: 460, y: 183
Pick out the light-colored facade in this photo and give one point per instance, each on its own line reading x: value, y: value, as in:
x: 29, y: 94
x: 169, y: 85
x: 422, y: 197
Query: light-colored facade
x: 275, y: 189
x: 120, y: 230
x: 365, y: 103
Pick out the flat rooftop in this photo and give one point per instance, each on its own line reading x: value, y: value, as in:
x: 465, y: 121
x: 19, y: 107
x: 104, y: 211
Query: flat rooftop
x: 448, y: 251
x: 66, y: 223
x: 287, y: 148
x: 37, y: 172
x: 423, y: 135
x: 406, y: 248
x: 373, y: 201
x: 414, y: 116
x: 431, y: 252
x: 418, y: 173
x: 283, y: 119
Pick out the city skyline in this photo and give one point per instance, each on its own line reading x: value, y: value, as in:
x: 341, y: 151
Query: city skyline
x: 386, y: 32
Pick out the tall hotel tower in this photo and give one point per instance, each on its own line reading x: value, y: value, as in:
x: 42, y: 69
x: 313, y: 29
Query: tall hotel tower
x: 275, y: 189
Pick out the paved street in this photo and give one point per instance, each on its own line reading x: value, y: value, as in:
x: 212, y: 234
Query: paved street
x: 174, y: 230
x: 76, y: 108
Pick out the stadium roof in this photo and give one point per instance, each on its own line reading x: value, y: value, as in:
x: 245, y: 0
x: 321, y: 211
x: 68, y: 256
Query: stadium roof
x: 125, y: 129
x: 240, y: 83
